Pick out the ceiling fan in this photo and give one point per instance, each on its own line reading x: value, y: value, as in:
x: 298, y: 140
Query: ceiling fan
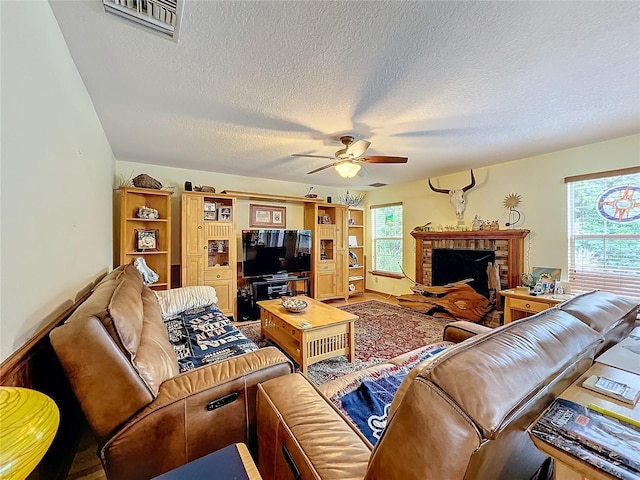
x: 348, y: 160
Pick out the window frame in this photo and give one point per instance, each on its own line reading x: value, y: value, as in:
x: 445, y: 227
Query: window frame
x: 583, y: 278
x: 374, y: 239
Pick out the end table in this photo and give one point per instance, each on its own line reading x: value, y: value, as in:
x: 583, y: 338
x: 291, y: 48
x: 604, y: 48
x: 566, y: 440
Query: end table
x: 229, y: 463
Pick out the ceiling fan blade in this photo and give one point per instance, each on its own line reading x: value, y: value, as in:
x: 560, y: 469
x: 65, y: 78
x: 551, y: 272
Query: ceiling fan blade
x: 311, y: 156
x: 383, y: 159
x: 321, y: 168
x: 357, y: 148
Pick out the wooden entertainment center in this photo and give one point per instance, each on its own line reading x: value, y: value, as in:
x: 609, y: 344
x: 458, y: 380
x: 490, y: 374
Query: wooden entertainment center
x: 211, y: 247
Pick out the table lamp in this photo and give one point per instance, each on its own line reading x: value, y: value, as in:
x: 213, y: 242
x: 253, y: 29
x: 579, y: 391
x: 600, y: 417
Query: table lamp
x: 28, y: 423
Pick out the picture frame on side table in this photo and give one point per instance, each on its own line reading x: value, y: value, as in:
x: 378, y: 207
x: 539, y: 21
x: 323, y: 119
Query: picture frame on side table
x: 267, y: 216
x: 146, y: 240
x: 553, y: 272
x: 544, y: 279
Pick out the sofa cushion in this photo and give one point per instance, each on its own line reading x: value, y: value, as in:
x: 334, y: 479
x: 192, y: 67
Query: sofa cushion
x: 520, y: 360
x: 155, y: 359
x: 177, y: 300
x: 125, y: 309
x: 205, y: 335
x: 612, y: 316
x: 97, y: 305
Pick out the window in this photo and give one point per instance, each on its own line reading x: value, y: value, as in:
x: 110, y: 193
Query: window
x: 386, y: 234
x: 604, y: 232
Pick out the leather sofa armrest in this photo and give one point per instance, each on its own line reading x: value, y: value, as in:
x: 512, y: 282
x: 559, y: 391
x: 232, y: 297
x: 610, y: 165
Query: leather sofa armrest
x: 460, y: 330
x: 215, y: 373
x: 194, y: 414
x: 88, y: 356
x: 300, y: 431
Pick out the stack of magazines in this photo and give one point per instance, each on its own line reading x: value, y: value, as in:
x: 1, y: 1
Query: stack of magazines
x: 607, y: 443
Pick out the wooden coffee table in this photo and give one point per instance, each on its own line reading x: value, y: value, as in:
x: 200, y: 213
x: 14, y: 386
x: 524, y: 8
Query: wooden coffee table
x: 330, y: 332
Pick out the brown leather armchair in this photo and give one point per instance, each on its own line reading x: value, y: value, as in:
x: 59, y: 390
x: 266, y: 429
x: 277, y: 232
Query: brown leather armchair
x: 461, y: 415
x: 147, y: 417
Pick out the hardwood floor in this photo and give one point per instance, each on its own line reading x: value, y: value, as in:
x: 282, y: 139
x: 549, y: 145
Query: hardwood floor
x: 86, y: 464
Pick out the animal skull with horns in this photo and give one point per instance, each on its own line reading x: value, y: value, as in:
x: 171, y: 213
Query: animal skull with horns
x: 457, y: 197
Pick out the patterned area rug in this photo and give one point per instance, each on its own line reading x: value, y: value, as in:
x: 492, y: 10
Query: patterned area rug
x: 383, y: 331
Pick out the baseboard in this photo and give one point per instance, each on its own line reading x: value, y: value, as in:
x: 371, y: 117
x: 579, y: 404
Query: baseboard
x: 382, y: 294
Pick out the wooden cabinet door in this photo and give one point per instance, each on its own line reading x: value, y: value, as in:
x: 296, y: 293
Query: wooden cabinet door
x: 341, y: 227
x: 342, y: 274
x: 219, y: 268
x: 342, y: 261
x: 192, y: 228
x: 224, y: 292
x: 192, y: 257
x: 219, y: 235
x: 192, y: 270
x: 325, y: 284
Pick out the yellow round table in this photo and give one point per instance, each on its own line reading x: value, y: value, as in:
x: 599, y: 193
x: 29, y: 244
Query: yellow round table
x: 28, y: 423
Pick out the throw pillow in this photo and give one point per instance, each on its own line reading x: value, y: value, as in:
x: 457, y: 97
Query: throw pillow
x: 177, y: 300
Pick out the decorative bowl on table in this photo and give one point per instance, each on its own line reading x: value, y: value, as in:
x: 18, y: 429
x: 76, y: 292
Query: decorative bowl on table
x: 293, y: 304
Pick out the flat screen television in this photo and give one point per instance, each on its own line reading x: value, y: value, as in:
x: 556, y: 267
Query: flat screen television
x: 272, y: 252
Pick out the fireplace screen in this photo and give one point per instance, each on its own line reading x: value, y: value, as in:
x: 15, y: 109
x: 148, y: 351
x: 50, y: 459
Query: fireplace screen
x: 451, y: 265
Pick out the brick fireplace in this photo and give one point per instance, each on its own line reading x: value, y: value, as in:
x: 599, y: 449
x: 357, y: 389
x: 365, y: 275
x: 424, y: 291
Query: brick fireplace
x: 508, y: 246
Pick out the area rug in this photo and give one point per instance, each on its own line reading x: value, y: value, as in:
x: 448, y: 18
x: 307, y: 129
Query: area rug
x: 383, y: 331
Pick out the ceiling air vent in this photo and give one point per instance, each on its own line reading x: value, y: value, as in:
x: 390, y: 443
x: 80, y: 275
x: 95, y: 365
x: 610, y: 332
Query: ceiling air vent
x: 159, y: 15
x: 378, y: 184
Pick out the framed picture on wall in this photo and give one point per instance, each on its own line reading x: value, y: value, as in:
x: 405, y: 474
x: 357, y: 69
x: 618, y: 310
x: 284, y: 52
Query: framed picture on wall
x: 267, y: 216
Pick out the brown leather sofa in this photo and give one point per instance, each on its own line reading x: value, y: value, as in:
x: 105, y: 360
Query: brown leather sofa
x: 146, y: 417
x: 462, y: 414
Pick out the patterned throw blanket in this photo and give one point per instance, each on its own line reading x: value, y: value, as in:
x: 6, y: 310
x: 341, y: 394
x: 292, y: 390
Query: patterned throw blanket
x: 204, y: 335
x: 366, y: 400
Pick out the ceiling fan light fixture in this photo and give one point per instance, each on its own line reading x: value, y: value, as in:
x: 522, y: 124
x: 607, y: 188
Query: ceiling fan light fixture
x: 347, y: 169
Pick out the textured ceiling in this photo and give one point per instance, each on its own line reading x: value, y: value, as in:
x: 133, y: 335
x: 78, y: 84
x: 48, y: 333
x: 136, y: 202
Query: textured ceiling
x: 451, y: 85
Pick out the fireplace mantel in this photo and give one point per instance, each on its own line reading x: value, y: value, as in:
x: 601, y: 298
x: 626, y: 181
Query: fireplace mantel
x: 484, y: 234
x: 508, y: 245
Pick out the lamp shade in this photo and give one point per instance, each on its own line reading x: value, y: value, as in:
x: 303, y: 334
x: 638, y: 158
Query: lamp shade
x: 29, y: 421
x: 347, y: 169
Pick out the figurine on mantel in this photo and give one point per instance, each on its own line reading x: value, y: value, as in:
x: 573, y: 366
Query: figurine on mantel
x: 423, y: 228
x: 490, y: 225
x: 477, y: 223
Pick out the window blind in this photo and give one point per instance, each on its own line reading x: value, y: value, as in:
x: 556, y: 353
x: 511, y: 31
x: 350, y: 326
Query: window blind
x: 604, y: 232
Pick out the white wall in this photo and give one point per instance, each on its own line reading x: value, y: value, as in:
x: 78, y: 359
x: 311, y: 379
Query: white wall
x: 57, y: 170
x: 176, y: 177
x: 540, y: 182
